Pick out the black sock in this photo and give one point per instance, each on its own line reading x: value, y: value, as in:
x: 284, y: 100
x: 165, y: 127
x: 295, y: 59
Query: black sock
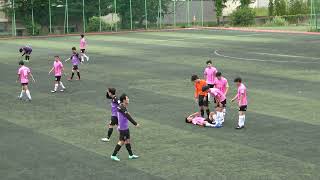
x: 26, y: 58
x: 208, y: 112
x: 128, y: 146
x: 78, y: 73
x: 110, y: 130
x: 202, y: 112
x: 116, y: 150
x: 72, y: 75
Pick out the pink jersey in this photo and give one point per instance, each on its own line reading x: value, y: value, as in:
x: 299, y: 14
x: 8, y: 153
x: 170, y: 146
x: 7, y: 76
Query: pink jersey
x: 221, y: 84
x: 23, y: 73
x: 83, y: 43
x: 58, y: 66
x: 242, y: 91
x: 210, y: 74
x: 198, y: 121
x: 219, y: 95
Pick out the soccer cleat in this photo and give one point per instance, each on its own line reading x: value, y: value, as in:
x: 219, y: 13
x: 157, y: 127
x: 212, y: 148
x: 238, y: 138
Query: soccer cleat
x: 53, y: 91
x: 19, y: 98
x: 105, y: 139
x: 61, y: 90
x: 115, y: 158
x: 133, y: 157
x: 78, y: 79
x: 239, y: 127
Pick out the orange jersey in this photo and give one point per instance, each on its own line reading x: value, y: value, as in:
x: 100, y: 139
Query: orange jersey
x: 198, y: 88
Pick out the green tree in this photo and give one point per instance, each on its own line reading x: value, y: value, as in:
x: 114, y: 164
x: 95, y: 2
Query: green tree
x: 271, y: 8
x: 280, y: 7
x: 219, y: 5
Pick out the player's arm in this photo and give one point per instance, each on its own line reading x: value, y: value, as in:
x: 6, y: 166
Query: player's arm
x: 227, y: 89
x: 51, y: 70
x: 124, y: 111
x: 24, y: 52
x: 32, y: 77
x: 193, y: 115
x: 18, y: 79
x: 234, y: 98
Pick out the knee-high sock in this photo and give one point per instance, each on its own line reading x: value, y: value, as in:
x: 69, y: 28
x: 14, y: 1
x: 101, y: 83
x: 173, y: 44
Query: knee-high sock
x: 128, y: 146
x: 86, y: 57
x: 242, y: 120
x: 219, y: 117
x: 116, y: 150
x: 202, y: 113
x: 110, y: 130
x: 28, y: 94
x: 61, y: 84
x: 21, y: 94
x: 78, y: 73
x: 72, y: 75
x: 208, y: 112
x: 56, y: 87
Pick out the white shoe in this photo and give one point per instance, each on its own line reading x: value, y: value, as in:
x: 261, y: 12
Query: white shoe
x: 62, y: 90
x: 105, y: 139
x: 53, y: 91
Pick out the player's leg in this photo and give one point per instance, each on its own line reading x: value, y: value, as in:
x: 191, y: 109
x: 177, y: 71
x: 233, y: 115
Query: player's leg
x: 72, y: 74
x: 219, y: 114
x: 61, y: 85
x: 23, y: 91
x: 112, y: 124
x: 117, y: 149
x: 27, y: 92
x: 128, y: 146
x: 242, y: 117
x: 201, y: 104
x: 206, y: 105
x: 78, y: 73
x: 83, y: 51
x: 56, y: 85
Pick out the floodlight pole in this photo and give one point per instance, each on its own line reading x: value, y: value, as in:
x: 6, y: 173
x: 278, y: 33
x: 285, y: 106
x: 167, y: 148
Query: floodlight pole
x: 188, y: 12
x: 174, y: 14
x: 202, y: 13
x: 160, y: 13
x: 83, y: 18
x: 50, y: 27
x: 32, y: 18
x: 115, y: 12
x: 14, y: 28
x: 100, y: 23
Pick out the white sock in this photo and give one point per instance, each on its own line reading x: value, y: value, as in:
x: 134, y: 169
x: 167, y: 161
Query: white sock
x: 56, y: 87
x: 208, y: 125
x: 219, y: 117
x: 209, y: 97
x: 21, y: 94
x: 62, y: 85
x: 82, y: 59
x: 86, y: 57
x: 241, y: 120
x: 28, y: 94
x: 224, y: 111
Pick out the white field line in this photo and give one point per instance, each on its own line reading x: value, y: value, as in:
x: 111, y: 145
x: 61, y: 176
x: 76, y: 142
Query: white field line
x: 286, y: 55
x: 262, y: 60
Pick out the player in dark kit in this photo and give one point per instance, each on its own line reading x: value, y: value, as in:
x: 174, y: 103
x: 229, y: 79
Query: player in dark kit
x: 26, y: 50
x: 123, y: 127
x: 75, y: 60
x: 111, y: 94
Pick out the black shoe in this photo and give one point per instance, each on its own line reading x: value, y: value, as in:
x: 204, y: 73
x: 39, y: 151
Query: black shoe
x: 239, y: 127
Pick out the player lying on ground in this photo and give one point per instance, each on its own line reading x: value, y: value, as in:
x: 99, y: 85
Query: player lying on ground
x: 220, y: 100
x: 23, y: 76
x: 26, y: 50
x: 58, y: 70
x: 200, y: 97
x: 75, y: 60
x: 83, y: 46
x: 111, y: 94
x: 242, y: 102
x: 123, y: 127
x: 196, y: 119
x: 222, y: 84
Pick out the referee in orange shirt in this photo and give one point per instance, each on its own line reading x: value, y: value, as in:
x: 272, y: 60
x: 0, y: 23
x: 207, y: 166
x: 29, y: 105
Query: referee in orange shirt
x: 201, y: 97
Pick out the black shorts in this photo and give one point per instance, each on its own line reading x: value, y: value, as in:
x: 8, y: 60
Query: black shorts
x: 243, y: 108
x: 75, y: 67
x: 124, y: 135
x: 203, y: 101
x: 57, y: 78
x: 211, y: 85
x: 114, y: 120
x: 82, y: 50
x: 24, y: 84
x: 223, y: 103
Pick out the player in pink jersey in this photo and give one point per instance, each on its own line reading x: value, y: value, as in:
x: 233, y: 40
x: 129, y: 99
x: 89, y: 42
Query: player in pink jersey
x: 222, y: 84
x: 197, y: 119
x: 23, y: 76
x: 210, y: 73
x: 242, y: 102
x: 220, y: 100
x: 83, y: 46
x: 58, y: 70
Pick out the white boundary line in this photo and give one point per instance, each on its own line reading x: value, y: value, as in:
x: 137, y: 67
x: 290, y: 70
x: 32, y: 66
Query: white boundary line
x: 286, y: 55
x: 262, y: 60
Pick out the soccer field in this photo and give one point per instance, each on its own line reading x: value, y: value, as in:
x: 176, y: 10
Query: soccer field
x: 57, y: 136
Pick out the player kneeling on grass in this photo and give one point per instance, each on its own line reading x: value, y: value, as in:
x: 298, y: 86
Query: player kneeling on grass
x: 75, y: 60
x: 220, y: 100
x: 58, y: 70
x: 242, y: 102
x: 111, y: 94
x: 123, y: 127
x: 26, y: 50
x: 196, y: 119
x: 23, y: 76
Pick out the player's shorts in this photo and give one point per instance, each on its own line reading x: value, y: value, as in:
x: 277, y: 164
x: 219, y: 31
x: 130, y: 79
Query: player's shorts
x: 224, y: 103
x: 57, y: 78
x: 82, y: 50
x: 124, y: 135
x: 24, y: 84
x: 243, y: 108
x: 28, y: 52
x: 114, y: 120
x: 75, y: 67
x: 211, y: 85
x: 203, y: 100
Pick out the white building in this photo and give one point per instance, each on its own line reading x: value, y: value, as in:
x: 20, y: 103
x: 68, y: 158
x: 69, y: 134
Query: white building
x: 232, y: 5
